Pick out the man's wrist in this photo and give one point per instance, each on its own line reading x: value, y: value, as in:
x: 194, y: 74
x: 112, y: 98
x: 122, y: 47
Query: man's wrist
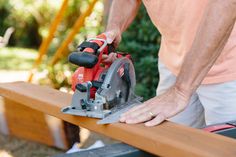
x: 112, y: 27
x: 185, y: 90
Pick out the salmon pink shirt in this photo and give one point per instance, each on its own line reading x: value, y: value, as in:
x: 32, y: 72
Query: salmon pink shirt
x: 178, y: 21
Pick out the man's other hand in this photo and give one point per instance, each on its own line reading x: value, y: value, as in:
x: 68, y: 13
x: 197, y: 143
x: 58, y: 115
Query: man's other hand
x: 156, y: 110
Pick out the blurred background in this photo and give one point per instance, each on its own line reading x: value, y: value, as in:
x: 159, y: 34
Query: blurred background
x: 25, y: 25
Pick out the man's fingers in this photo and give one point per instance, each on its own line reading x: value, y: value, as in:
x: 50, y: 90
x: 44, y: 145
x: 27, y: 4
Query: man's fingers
x: 124, y: 115
x: 155, y: 121
x: 132, y: 110
x: 135, y: 111
x: 145, y: 105
x: 110, y: 36
x: 113, y: 37
x: 104, y: 56
x: 109, y: 58
x: 145, y: 116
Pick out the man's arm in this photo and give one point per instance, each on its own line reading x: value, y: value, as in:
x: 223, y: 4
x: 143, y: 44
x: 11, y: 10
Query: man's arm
x: 122, y: 13
x: 212, y: 35
x: 210, y: 40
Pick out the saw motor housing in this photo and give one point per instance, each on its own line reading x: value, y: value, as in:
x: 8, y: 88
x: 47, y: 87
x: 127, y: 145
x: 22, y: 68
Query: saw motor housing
x: 99, y: 87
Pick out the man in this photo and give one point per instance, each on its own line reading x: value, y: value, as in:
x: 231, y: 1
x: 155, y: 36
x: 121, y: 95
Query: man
x: 196, y: 60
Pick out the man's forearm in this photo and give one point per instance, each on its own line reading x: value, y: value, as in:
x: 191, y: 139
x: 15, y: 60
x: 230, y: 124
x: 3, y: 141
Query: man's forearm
x: 212, y: 35
x: 122, y: 13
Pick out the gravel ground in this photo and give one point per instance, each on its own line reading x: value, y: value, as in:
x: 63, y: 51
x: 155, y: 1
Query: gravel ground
x: 15, y: 147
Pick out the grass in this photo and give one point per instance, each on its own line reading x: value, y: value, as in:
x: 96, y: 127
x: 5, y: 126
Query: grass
x: 17, y: 58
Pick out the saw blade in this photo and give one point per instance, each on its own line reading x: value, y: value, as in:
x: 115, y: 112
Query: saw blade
x: 115, y: 89
x: 117, y: 111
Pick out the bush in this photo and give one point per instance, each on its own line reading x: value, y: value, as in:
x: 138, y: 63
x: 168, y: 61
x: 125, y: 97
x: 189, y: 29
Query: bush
x: 16, y: 14
x: 32, y: 18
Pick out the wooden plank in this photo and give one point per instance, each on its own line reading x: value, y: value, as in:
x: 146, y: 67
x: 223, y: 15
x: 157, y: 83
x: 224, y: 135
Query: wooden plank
x: 167, y: 139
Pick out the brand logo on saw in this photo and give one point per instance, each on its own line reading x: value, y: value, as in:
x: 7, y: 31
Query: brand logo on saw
x: 80, y: 77
x: 121, y: 71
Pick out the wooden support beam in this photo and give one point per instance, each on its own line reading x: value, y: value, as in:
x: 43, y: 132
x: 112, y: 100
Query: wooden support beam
x: 46, y: 41
x: 19, y: 120
x: 62, y: 50
x: 167, y: 139
x: 27, y: 123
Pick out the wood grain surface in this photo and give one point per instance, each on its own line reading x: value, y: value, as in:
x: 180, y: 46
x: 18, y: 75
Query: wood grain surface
x: 167, y: 139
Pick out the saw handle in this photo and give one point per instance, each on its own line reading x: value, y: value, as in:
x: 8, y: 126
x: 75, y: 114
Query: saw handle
x: 110, y: 48
x: 89, y: 58
x: 90, y: 52
x: 83, y: 59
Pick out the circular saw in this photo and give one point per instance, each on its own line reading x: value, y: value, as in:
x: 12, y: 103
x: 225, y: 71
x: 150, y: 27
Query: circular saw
x: 101, y: 90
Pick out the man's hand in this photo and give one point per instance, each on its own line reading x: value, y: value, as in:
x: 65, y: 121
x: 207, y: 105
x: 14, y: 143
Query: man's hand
x: 156, y: 110
x: 113, y: 37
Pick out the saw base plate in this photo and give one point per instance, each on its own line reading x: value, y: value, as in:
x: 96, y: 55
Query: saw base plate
x: 92, y: 114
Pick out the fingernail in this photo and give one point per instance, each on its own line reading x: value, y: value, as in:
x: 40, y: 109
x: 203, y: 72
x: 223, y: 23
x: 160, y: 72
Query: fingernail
x: 148, y: 124
x: 109, y: 40
x: 122, y: 119
x: 128, y: 121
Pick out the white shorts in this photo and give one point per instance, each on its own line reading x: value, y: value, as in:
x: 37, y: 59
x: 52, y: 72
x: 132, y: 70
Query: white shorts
x: 210, y: 104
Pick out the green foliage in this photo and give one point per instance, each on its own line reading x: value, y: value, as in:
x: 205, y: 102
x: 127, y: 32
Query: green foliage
x: 18, y: 14
x: 58, y: 77
x: 32, y: 19
x: 17, y: 58
x: 142, y: 41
